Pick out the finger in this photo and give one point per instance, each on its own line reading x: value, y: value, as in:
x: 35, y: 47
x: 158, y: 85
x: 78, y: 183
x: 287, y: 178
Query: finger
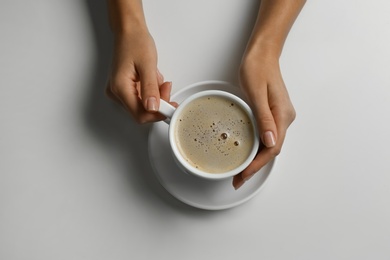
x: 160, y: 78
x: 265, y: 119
x: 165, y: 90
x: 150, y: 93
x: 238, y: 181
x: 258, y: 94
x: 129, y: 98
x: 262, y: 158
x: 165, y: 93
x: 110, y: 94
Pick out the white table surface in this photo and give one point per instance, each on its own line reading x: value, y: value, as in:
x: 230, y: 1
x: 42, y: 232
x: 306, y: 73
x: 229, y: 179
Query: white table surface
x: 75, y: 181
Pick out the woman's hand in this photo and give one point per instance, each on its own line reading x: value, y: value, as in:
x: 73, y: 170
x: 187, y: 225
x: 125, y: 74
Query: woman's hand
x: 262, y: 82
x: 263, y: 85
x: 135, y: 81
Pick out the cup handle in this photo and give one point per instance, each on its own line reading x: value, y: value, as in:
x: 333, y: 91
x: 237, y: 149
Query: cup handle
x: 166, y: 109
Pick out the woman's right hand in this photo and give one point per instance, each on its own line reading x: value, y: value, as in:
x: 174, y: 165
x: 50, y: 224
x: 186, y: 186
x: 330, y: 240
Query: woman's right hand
x: 135, y: 81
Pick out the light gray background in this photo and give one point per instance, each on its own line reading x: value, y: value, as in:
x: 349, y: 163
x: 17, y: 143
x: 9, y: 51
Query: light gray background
x: 75, y: 181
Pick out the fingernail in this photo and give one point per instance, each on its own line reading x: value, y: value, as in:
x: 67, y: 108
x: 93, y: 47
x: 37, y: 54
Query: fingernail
x: 239, y: 185
x: 248, y: 177
x: 269, y: 139
x: 151, y: 104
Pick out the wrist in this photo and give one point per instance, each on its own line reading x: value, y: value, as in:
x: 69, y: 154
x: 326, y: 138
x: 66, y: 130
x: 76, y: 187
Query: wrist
x: 269, y: 46
x: 130, y: 25
x: 126, y: 17
x: 265, y: 51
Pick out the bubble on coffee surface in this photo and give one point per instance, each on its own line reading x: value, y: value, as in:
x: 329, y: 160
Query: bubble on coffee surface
x: 212, y: 134
x: 224, y: 136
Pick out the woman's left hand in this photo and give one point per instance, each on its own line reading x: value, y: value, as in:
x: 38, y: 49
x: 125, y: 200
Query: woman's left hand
x: 262, y: 83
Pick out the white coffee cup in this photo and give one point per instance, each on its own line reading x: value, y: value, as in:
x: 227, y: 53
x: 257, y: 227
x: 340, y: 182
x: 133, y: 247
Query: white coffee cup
x: 220, y: 148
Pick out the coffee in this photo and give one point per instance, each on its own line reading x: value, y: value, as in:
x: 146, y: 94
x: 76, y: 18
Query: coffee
x: 214, y: 134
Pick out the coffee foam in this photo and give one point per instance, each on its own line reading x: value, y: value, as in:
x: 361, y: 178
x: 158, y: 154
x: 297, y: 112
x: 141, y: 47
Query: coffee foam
x: 214, y: 134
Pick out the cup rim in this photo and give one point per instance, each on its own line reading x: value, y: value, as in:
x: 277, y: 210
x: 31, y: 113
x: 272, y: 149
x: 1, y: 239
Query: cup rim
x: 195, y: 171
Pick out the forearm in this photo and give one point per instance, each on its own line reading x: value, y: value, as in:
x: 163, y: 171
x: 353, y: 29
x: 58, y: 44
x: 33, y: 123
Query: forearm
x: 126, y: 16
x: 274, y: 21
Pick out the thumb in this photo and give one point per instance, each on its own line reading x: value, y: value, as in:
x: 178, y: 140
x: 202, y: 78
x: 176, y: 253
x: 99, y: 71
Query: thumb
x: 150, y: 93
x: 265, y: 121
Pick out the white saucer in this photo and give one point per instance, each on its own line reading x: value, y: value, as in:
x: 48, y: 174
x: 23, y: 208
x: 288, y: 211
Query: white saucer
x: 194, y: 191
